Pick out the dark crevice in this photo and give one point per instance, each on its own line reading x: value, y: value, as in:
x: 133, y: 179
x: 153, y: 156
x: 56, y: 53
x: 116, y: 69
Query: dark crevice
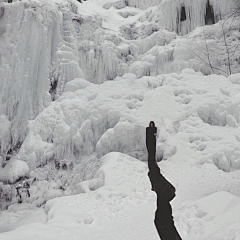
x: 78, y: 20
x: 20, y: 180
x: 53, y: 86
x: 1, y: 12
x: 183, y: 14
x: 209, y: 17
x: 13, y: 150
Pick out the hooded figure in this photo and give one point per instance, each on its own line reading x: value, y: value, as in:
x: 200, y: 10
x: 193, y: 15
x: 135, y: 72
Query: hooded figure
x: 163, y: 216
x: 151, y: 133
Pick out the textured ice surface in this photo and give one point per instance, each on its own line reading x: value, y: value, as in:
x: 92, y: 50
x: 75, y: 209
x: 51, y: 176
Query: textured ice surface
x: 90, y: 118
x: 56, y: 122
x: 60, y: 118
x: 46, y: 44
x: 169, y: 12
x: 37, y: 58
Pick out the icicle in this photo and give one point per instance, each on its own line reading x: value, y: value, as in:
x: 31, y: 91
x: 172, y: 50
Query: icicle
x: 143, y: 4
x: 182, y: 16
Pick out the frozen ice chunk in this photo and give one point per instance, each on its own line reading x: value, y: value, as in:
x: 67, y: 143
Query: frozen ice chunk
x: 76, y: 84
x: 13, y: 170
x: 231, y: 121
x: 221, y: 161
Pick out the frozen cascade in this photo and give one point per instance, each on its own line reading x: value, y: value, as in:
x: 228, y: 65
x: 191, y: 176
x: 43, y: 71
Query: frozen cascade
x: 89, y: 124
x: 143, y: 4
x: 169, y: 13
x: 100, y: 63
x: 109, y: 56
x: 49, y: 48
x: 37, y: 51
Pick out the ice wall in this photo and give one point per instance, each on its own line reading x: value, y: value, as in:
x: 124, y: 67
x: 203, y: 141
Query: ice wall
x: 169, y: 13
x: 100, y: 61
x: 46, y: 45
x: 143, y: 4
x: 38, y: 56
x: 93, y: 121
x: 51, y: 118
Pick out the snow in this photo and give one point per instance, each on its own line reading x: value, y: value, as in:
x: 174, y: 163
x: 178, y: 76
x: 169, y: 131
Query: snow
x: 14, y: 170
x: 78, y: 139
x: 18, y: 215
x: 119, y: 200
x: 195, y: 142
x: 215, y: 219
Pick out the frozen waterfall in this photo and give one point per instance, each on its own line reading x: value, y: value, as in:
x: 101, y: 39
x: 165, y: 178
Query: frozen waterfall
x: 76, y: 79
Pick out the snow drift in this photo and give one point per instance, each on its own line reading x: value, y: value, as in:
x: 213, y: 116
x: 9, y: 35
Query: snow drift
x: 114, y: 200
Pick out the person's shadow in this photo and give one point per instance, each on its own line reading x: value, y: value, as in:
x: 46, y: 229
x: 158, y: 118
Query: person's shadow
x: 165, y: 193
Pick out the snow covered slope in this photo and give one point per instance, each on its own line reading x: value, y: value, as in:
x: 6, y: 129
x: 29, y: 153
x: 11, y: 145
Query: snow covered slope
x: 118, y: 204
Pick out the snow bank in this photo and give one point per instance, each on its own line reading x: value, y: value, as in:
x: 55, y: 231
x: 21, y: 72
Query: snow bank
x: 119, y: 199
x: 215, y: 216
x: 84, y: 216
x: 18, y: 215
x: 14, y: 170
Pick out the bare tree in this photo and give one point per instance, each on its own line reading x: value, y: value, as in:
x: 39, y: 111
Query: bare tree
x: 208, y: 53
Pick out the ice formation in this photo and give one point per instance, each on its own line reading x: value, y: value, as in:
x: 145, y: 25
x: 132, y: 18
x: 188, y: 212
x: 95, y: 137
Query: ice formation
x: 37, y: 59
x: 58, y: 112
x: 182, y: 16
x: 66, y: 139
x: 143, y: 4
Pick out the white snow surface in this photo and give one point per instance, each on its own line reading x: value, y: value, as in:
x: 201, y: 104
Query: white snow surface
x: 77, y: 133
x: 118, y: 204
x: 18, y: 215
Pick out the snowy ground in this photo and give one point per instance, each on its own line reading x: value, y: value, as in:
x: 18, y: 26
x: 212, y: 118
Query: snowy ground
x: 18, y: 215
x: 118, y: 204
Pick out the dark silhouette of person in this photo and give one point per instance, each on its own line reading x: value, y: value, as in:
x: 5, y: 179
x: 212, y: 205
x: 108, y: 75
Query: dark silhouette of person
x: 163, y: 216
x: 151, y: 134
